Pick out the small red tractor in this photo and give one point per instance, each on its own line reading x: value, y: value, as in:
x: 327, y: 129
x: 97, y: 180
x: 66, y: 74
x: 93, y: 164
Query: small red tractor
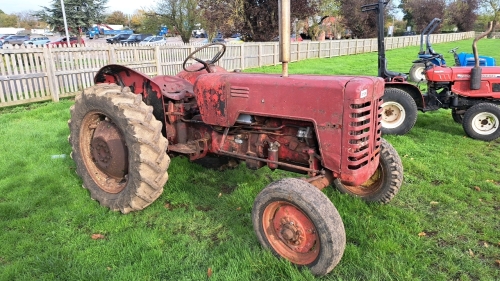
x: 473, y: 98
x: 123, y: 129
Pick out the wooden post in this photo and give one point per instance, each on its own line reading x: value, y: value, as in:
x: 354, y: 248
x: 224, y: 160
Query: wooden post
x: 159, y: 70
x: 51, y: 74
x: 242, y: 58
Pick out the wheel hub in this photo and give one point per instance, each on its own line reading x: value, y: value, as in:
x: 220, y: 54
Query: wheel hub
x: 109, y: 150
x: 294, y: 229
x: 485, y: 123
x: 393, y: 114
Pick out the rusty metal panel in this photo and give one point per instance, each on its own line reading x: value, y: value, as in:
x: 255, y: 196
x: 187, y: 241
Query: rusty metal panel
x: 318, y: 99
x: 361, y: 135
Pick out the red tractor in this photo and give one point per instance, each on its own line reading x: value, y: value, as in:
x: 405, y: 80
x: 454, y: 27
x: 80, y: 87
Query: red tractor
x: 473, y: 98
x: 123, y: 129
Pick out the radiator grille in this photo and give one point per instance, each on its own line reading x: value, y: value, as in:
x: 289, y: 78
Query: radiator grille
x: 364, y: 139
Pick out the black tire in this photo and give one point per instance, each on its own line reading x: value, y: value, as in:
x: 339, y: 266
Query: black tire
x: 399, y: 112
x: 481, y: 121
x: 384, y: 184
x: 113, y: 123
x: 457, y: 117
x: 417, y: 73
x: 296, y: 221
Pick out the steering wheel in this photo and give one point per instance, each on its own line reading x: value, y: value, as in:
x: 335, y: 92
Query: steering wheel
x: 206, y: 64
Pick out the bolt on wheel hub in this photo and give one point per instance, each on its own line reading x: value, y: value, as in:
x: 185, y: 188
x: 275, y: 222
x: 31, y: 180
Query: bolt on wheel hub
x: 109, y: 150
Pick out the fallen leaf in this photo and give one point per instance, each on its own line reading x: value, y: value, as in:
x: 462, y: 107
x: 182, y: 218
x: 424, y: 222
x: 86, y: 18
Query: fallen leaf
x: 108, y: 268
x: 239, y: 208
x: 434, y: 203
x: 497, y: 262
x: 471, y: 253
x: 422, y: 234
x: 485, y: 244
x: 477, y: 188
x: 97, y: 236
x: 209, y: 272
x: 220, y: 194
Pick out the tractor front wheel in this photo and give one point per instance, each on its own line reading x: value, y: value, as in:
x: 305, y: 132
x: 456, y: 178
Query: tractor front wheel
x: 399, y: 112
x: 417, y: 73
x: 299, y: 223
x: 118, y: 147
x: 482, y: 121
x: 384, y: 184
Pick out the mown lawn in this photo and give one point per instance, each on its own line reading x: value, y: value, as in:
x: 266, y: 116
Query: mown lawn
x: 443, y: 225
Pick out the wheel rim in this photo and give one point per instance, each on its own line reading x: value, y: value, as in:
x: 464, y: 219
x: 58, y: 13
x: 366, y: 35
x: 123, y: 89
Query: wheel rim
x: 104, y: 152
x: 485, y: 123
x: 291, y: 233
x: 419, y: 74
x: 370, y: 186
x: 393, y: 114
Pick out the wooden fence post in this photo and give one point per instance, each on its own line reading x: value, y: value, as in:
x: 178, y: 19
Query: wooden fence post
x: 51, y: 73
x: 159, y: 70
x: 242, y: 59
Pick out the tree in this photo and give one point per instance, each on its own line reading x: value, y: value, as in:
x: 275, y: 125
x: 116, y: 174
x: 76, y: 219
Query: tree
x: 117, y: 17
x: 80, y: 14
x: 492, y: 8
x: 137, y: 19
x: 8, y: 20
x: 179, y: 15
x: 462, y: 14
x: 361, y: 24
x: 27, y: 20
x: 422, y: 12
x: 260, y: 20
x: 220, y: 16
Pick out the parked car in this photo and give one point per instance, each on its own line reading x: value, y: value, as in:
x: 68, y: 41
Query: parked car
x: 37, y: 41
x: 63, y: 41
x: 48, y: 33
x: 117, y: 38
x: 153, y: 40
x: 16, y: 39
x: 3, y: 36
x: 409, y: 33
x: 1, y: 44
x: 135, y: 38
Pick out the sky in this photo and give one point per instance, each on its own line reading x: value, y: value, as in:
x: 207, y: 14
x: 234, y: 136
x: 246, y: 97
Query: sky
x: 126, y: 6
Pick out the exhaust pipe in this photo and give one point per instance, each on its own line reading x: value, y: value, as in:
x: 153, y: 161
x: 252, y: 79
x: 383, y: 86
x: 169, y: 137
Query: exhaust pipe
x: 284, y: 26
x: 476, y: 71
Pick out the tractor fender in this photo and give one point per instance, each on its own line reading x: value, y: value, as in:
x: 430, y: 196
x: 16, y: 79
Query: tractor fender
x: 411, y: 89
x: 140, y: 84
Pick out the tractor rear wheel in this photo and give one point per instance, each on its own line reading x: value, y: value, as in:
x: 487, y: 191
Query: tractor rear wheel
x: 482, y: 121
x: 417, y: 73
x: 118, y: 147
x: 399, y: 112
x: 299, y: 223
x: 384, y: 184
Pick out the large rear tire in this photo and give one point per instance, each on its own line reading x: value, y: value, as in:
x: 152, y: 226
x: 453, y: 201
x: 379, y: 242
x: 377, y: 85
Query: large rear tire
x: 482, y: 121
x: 399, y: 112
x: 299, y: 223
x: 118, y: 147
x: 417, y: 73
x: 384, y: 184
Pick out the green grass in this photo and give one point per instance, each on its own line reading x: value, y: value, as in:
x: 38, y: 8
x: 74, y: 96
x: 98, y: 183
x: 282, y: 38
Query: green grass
x: 451, y: 192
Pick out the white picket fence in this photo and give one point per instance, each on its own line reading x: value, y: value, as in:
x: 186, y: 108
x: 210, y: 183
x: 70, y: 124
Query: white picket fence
x: 31, y: 74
